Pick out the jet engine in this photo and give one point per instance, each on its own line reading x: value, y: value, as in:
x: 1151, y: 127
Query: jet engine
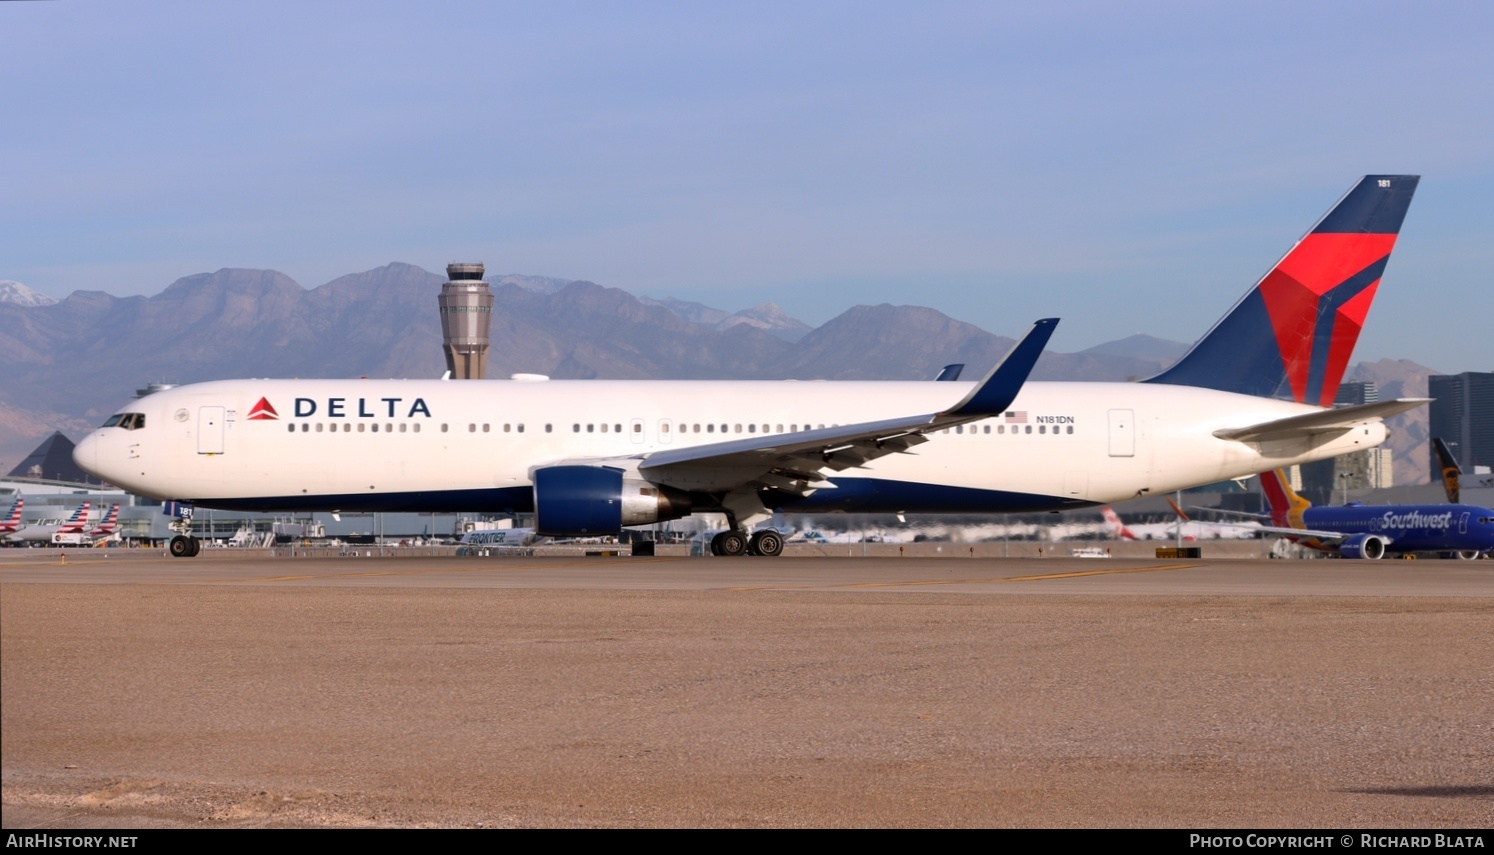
x: 577, y: 501
x: 1370, y: 546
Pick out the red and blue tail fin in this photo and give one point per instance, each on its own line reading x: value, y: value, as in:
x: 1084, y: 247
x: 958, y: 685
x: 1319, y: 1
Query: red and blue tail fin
x: 78, y: 520
x: 1286, y: 506
x: 1294, y: 332
x: 13, y: 521
x: 109, y: 522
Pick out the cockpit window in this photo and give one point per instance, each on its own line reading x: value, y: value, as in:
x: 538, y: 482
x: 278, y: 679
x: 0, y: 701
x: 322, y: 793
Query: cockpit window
x: 128, y: 421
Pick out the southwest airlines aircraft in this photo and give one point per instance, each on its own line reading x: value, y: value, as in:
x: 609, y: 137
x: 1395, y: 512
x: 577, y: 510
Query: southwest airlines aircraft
x: 589, y: 457
x: 1357, y: 530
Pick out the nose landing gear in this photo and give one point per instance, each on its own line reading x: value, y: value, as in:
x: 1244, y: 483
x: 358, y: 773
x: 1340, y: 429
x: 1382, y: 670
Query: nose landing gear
x: 184, y: 545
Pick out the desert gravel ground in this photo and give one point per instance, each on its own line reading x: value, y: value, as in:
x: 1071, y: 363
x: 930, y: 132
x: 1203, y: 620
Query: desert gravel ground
x: 181, y: 705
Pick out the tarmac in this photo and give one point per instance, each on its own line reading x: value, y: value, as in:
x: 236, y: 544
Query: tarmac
x: 936, y: 689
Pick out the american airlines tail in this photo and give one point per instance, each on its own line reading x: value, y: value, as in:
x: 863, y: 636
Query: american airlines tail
x: 1293, y: 333
x: 79, y: 520
x: 13, y: 521
x: 1287, y: 508
x: 109, y: 523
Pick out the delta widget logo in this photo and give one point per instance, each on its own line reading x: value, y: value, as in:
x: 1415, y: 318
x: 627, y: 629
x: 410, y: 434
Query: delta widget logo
x: 263, y: 411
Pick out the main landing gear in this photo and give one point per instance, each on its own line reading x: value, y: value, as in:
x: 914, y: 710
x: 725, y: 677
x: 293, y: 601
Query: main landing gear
x: 184, y: 545
x: 767, y: 543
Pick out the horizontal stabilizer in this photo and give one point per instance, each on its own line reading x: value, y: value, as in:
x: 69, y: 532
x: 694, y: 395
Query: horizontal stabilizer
x: 1324, y: 421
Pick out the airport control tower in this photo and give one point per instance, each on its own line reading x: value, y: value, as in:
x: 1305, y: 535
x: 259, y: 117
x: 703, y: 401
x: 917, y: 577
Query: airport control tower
x: 466, y: 313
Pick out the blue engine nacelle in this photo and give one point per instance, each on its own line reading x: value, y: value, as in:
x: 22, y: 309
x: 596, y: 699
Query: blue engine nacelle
x: 1370, y: 546
x: 579, y: 501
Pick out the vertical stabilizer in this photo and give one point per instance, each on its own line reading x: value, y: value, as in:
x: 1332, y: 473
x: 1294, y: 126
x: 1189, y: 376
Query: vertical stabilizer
x: 1447, y: 466
x: 1116, y: 526
x: 1287, y: 508
x: 1292, y: 335
x: 78, y: 520
x: 109, y: 523
x: 12, y: 522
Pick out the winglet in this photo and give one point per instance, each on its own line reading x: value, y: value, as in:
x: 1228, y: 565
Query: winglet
x: 997, y: 391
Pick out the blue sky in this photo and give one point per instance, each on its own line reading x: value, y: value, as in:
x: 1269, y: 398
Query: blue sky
x: 1127, y: 167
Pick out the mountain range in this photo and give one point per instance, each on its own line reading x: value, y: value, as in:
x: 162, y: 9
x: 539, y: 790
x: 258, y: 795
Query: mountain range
x: 68, y: 364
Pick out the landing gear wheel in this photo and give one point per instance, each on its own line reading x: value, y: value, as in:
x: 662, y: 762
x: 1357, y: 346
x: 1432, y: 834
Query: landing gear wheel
x: 731, y: 543
x: 182, y: 547
x: 196, y: 547
x: 767, y: 543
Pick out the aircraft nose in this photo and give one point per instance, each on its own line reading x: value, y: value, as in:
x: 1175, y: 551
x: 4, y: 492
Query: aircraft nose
x: 86, y: 454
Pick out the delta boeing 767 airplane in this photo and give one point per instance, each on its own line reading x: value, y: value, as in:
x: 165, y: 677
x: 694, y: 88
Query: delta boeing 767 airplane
x: 590, y: 457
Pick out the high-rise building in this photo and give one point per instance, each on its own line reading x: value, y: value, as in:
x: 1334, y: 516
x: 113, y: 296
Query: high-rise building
x: 1463, y: 415
x: 1379, y: 472
x: 1357, y: 393
x: 466, y: 315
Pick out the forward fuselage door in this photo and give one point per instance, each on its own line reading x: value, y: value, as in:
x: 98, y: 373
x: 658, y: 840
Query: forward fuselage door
x: 1122, y: 433
x: 210, y: 430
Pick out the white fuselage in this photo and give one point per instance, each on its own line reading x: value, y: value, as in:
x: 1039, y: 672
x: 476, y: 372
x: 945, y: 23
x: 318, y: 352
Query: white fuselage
x: 431, y: 444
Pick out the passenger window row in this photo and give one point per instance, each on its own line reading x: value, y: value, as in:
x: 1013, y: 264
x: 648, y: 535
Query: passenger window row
x: 348, y: 427
x: 135, y: 421
x: 1015, y: 429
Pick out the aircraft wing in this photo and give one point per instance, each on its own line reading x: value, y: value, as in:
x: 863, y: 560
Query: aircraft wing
x: 795, y: 461
x: 1324, y: 421
x: 1328, y: 536
x: 1246, y: 514
x: 1272, y: 529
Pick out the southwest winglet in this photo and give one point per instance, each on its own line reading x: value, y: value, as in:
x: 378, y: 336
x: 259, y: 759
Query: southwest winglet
x: 997, y: 391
